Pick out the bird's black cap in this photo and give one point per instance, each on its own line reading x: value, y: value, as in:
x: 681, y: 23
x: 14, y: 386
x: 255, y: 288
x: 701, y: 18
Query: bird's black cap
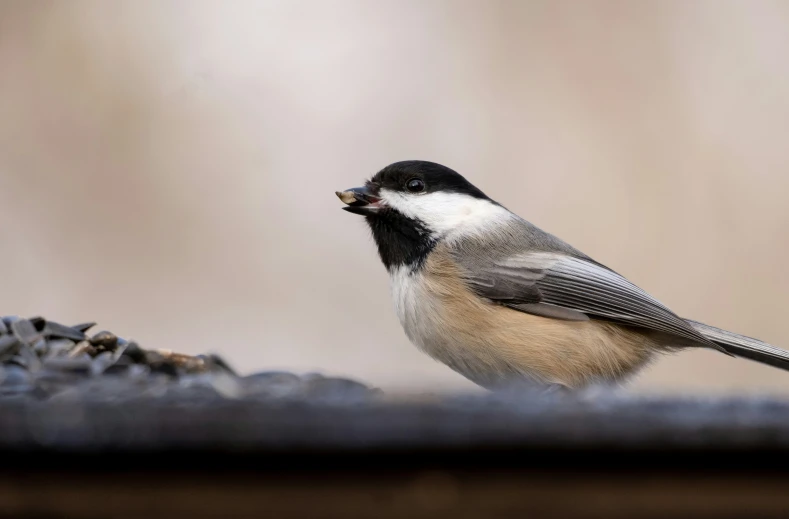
x: 436, y: 177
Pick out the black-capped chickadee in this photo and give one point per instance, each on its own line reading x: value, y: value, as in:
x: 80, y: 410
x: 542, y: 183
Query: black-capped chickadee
x: 499, y: 300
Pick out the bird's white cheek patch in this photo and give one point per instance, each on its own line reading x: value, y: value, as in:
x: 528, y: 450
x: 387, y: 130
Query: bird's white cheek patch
x: 447, y: 214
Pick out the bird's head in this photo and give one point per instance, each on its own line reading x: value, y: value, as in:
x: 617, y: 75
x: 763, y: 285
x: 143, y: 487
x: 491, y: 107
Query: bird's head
x: 411, y: 205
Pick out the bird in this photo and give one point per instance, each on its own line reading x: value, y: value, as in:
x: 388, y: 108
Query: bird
x: 502, y: 302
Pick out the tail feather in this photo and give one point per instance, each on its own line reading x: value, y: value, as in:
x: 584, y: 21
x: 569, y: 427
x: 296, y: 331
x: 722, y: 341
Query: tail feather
x: 742, y: 346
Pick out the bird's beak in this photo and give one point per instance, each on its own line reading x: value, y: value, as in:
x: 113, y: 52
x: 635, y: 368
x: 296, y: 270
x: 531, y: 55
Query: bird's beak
x: 360, y: 200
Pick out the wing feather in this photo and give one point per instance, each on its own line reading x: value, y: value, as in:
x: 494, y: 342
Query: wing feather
x: 567, y: 287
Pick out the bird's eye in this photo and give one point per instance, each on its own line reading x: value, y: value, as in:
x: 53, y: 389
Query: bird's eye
x: 415, y: 185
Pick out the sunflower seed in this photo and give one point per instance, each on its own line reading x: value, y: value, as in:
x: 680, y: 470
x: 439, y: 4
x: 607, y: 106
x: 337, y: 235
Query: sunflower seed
x: 133, y: 352
x: 26, y: 358
x: 59, y: 347
x: 8, y: 345
x: 38, y: 322
x: 215, y: 361
x: 25, y: 331
x: 104, y: 341
x: 83, y: 347
x: 226, y: 385
x: 84, y: 327
x: 59, y: 331
x: 41, y: 347
x: 159, y: 364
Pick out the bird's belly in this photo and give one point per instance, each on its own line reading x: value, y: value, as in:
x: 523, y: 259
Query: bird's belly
x: 493, y: 345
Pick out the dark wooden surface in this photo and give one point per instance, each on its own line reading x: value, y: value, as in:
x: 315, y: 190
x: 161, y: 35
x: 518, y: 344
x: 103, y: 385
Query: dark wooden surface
x: 407, y: 483
x: 428, y: 494
x: 463, y: 457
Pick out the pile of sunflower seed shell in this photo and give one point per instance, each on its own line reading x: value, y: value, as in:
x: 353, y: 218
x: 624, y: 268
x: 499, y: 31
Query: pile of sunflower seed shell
x: 44, y: 359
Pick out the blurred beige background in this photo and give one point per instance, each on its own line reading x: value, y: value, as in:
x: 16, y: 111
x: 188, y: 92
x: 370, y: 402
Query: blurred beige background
x: 168, y: 168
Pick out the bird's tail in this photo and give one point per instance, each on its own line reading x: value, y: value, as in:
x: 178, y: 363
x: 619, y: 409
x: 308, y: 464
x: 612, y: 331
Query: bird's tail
x: 742, y: 346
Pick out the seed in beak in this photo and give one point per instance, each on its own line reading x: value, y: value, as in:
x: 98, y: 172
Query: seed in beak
x: 346, y: 196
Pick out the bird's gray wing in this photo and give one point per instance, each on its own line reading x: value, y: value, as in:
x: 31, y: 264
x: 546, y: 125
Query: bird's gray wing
x: 562, y: 286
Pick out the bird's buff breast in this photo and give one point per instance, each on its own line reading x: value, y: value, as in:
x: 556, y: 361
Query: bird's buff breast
x: 493, y: 345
